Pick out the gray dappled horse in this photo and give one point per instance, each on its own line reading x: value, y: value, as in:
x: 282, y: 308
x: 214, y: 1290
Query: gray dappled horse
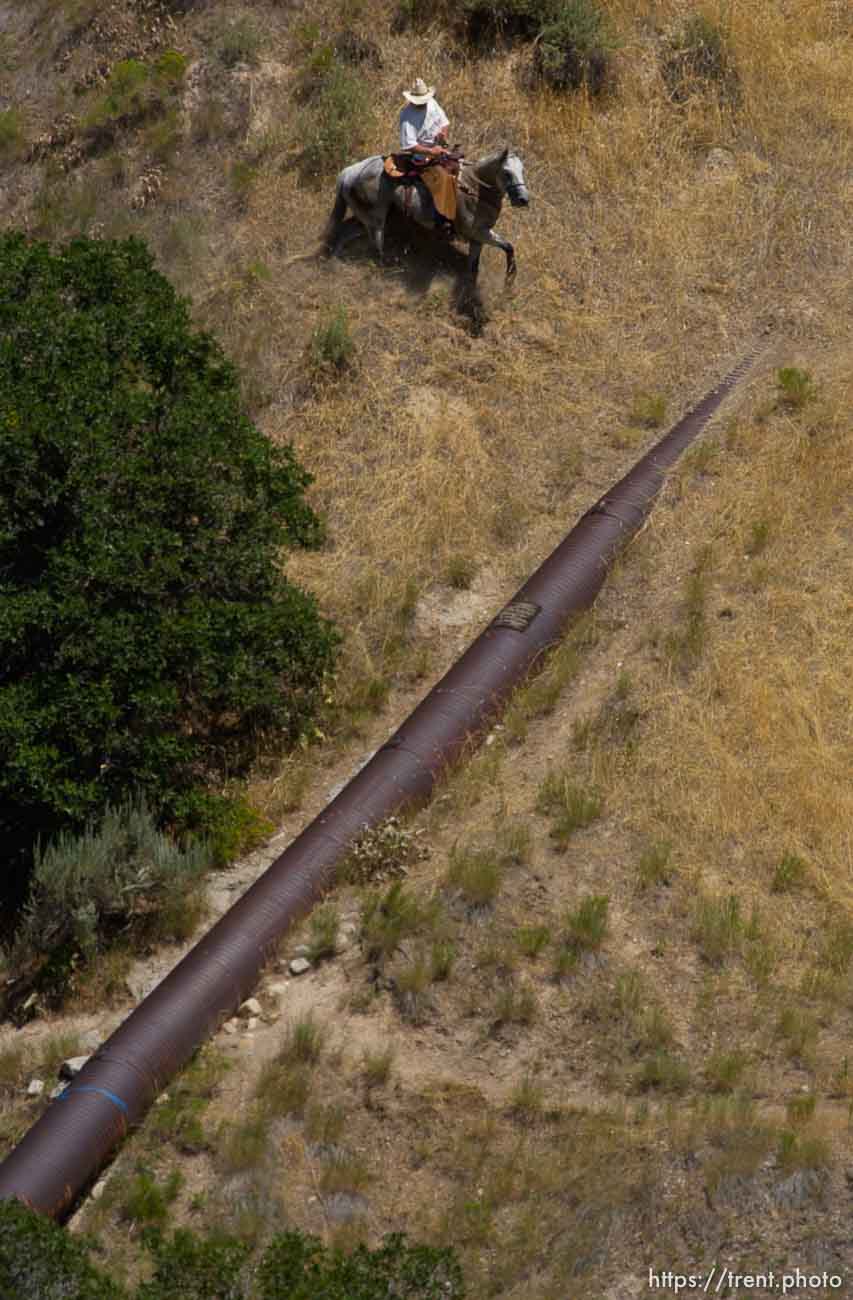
x: 370, y: 194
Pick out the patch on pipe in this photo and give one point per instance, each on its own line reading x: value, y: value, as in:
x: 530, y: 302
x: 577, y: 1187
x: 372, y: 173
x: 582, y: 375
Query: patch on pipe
x: 518, y: 615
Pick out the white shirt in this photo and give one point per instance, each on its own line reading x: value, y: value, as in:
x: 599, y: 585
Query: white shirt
x: 421, y: 123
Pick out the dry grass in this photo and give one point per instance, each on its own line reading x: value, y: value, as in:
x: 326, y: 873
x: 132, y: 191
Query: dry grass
x: 548, y: 1127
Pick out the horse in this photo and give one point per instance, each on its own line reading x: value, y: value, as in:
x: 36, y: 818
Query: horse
x: 366, y: 190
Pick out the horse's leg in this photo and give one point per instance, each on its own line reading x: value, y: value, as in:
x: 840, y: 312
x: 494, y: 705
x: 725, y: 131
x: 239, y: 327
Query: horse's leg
x: 496, y: 242
x: 474, y: 250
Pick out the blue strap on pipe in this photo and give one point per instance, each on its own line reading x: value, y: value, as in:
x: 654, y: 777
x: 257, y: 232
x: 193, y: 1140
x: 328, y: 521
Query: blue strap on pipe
x: 91, y: 1087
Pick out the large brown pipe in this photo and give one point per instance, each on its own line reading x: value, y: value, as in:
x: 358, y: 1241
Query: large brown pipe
x: 67, y: 1146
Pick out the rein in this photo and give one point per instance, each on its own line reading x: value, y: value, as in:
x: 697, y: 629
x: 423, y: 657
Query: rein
x: 484, y: 185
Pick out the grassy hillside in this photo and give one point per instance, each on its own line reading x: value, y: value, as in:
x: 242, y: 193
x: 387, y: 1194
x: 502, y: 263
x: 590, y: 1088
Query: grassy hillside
x: 614, y: 1033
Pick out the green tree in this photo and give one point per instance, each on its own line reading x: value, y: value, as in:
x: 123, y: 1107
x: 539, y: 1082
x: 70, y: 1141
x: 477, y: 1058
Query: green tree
x: 148, y: 636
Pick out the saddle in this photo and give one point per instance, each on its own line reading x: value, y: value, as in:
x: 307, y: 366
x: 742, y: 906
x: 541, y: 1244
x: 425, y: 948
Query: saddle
x: 439, y: 175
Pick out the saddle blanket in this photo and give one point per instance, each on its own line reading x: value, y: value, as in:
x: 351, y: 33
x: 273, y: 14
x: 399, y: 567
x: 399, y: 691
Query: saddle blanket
x: 438, y: 178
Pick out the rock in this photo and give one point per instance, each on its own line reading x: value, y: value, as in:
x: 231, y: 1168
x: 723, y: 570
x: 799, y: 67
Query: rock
x: 343, y: 942
x: 98, y: 1190
x: 36, y: 1088
x: 251, y: 1007
x: 302, y: 950
x: 719, y: 164
x: 252, y: 1022
x: 68, y: 1069
x: 162, y: 1099
x: 231, y: 1026
x: 299, y: 966
x: 341, y: 1207
x: 277, y: 990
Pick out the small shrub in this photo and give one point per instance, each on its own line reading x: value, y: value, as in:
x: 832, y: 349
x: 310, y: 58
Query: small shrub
x: 800, y: 1110
x: 171, y: 66
x: 512, y: 841
x: 531, y: 939
x: 663, y: 1072
x: 381, y: 852
x: 13, y: 1066
x: 759, y: 536
x: 837, y: 948
x: 648, y: 410
x: 13, y: 138
x: 245, y: 1143
x: 410, y: 982
x: 583, y: 931
x: 334, y: 123
x: 303, y: 1043
x: 332, y: 349
x: 324, y: 1124
x: 586, y: 927
x: 242, y: 175
x: 239, y: 42
x: 390, y: 918
x: 87, y: 888
x: 696, y: 57
x: 655, y: 1030
x: 460, y: 572
x: 718, y: 927
x: 796, y: 387
x: 515, y: 1004
x: 283, y: 1089
x: 724, y: 1070
x: 629, y: 994
x: 344, y: 1172
x: 654, y: 866
x: 146, y: 1201
x: 377, y: 1067
x: 476, y: 874
x: 790, y: 875
x: 574, y: 49
x: 800, y: 1030
x: 526, y: 1099
x: 799, y: 1152
x: 442, y: 957
x: 572, y: 807
x: 323, y: 932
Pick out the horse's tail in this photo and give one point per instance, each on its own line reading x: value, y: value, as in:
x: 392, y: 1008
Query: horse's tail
x: 336, y: 216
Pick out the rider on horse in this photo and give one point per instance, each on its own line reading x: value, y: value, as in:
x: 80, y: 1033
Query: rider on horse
x: 423, y: 144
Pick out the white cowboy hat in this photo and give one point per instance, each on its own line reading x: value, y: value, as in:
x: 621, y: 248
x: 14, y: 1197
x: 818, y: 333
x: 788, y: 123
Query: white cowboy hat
x: 420, y: 93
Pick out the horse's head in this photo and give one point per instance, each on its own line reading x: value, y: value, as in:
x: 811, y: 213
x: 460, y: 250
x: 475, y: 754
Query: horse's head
x: 510, y: 179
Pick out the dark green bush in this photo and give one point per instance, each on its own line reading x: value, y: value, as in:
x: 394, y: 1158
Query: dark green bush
x: 574, y: 49
x: 489, y: 20
x: 136, y: 90
x: 148, y: 637
x: 296, y: 1267
x: 187, y: 1267
x: 38, y: 1259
